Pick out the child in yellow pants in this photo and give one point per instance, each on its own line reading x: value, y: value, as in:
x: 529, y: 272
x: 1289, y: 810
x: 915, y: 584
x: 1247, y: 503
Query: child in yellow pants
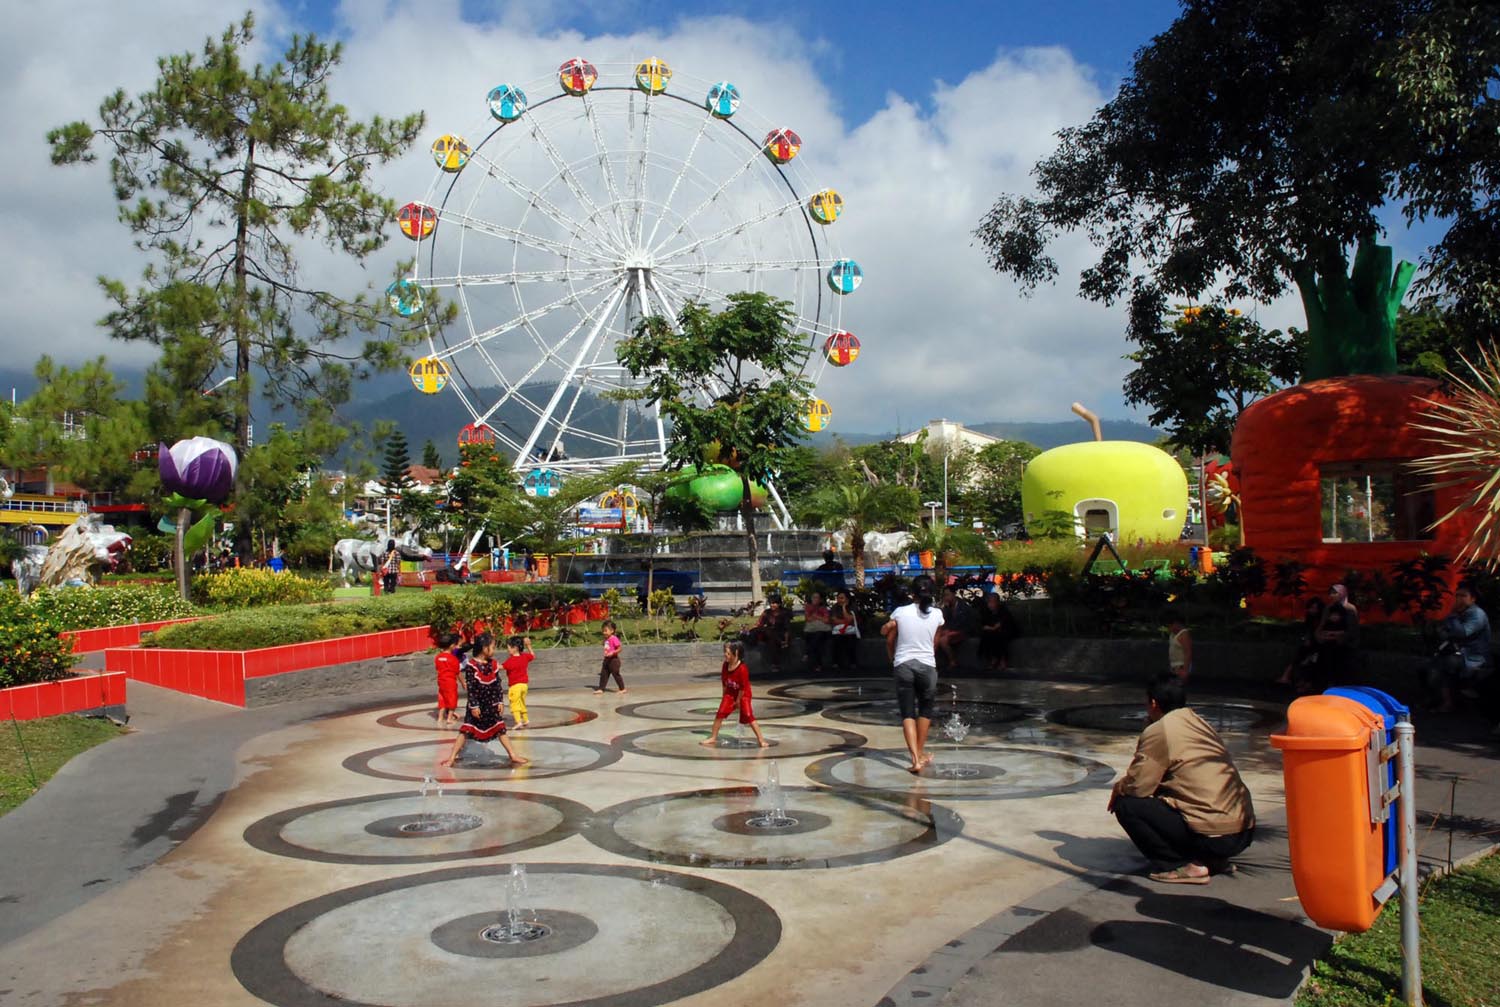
x: 517, y: 674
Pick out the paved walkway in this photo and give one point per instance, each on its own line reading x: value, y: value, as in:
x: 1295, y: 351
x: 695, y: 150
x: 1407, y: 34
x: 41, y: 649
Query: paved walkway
x: 1092, y: 930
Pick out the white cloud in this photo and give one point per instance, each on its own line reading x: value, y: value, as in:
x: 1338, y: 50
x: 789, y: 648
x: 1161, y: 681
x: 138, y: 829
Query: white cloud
x: 943, y: 335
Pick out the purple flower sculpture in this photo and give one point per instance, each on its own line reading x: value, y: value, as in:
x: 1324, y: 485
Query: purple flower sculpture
x: 199, y: 468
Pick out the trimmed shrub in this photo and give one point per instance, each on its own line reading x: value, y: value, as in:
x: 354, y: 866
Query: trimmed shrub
x: 247, y: 587
x: 90, y: 608
x: 253, y: 628
x: 31, y: 647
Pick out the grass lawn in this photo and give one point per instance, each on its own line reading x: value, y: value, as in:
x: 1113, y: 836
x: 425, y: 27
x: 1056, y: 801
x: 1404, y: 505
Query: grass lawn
x: 1460, y: 949
x: 49, y: 743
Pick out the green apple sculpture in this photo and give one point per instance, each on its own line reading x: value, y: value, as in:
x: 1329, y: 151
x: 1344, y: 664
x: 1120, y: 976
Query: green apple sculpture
x: 1133, y: 490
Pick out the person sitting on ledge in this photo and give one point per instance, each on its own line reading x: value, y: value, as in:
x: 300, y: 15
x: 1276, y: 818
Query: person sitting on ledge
x: 1182, y: 801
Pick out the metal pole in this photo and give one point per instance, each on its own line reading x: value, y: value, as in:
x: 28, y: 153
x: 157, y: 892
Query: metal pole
x: 1411, y: 957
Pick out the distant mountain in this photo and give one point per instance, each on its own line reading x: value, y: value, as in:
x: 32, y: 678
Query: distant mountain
x: 1043, y: 435
x: 440, y: 417
x: 1051, y: 435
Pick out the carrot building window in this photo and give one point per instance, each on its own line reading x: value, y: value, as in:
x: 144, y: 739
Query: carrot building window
x: 1374, y: 501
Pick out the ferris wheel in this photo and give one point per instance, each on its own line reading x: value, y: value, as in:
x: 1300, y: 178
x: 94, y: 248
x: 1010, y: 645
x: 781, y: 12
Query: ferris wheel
x: 592, y: 198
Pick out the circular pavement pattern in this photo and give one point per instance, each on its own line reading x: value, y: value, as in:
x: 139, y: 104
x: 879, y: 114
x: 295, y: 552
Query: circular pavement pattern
x: 424, y: 718
x: 981, y: 717
x: 962, y: 772
x: 731, y: 827
x: 787, y: 741
x: 613, y: 935
x: 483, y: 761
x: 406, y: 828
x: 702, y: 710
x: 1131, y: 717
x: 836, y: 690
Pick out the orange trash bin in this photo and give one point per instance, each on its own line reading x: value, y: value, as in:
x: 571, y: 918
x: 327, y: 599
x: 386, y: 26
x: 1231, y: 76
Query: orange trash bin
x: 1337, y: 850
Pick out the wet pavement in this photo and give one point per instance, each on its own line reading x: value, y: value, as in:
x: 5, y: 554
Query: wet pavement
x: 318, y: 852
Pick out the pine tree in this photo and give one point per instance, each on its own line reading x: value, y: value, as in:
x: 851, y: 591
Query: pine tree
x: 227, y: 174
x: 430, y: 456
x: 395, y: 477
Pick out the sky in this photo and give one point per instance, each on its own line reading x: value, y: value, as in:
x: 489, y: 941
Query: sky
x: 920, y: 114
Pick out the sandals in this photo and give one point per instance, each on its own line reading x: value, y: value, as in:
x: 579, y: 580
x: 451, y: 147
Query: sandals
x: 1179, y: 876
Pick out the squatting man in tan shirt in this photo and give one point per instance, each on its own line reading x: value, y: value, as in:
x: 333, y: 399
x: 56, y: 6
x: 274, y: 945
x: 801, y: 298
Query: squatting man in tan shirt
x: 1182, y: 802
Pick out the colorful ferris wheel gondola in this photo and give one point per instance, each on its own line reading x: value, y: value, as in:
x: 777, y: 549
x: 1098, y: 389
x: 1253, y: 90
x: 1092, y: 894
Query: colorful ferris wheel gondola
x: 782, y: 145
x: 723, y: 99
x: 841, y: 349
x: 826, y: 205
x: 577, y: 76
x: 817, y: 415
x: 845, y: 276
x: 417, y: 220
x: 404, y: 297
x: 652, y: 75
x: 450, y: 152
x: 507, y: 102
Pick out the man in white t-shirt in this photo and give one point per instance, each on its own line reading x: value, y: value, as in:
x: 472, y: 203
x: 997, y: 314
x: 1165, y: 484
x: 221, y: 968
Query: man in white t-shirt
x: 909, y: 637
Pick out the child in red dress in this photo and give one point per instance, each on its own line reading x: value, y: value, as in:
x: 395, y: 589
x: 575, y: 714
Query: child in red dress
x: 484, y: 718
x: 448, y: 663
x: 734, y: 676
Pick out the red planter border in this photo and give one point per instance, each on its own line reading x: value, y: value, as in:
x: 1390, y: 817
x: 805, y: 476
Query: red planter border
x: 88, y: 690
x: 220, y: 674
x: 104, y: 637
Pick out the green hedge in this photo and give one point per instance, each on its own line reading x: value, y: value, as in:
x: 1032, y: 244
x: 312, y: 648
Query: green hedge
x: 284, y: 624
x: 90, y: 608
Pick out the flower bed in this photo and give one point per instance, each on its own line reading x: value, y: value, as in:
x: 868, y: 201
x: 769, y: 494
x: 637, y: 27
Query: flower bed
x: 86, y: 692
x: 220, y: 674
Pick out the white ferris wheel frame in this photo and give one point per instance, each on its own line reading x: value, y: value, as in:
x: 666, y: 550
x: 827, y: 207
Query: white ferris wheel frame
x: 611, y: 263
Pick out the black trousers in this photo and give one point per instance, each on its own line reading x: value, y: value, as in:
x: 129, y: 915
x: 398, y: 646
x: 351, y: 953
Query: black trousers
x: 1160, y: 833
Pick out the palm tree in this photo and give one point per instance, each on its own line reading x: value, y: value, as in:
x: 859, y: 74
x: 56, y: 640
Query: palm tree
x: 860, y: 507
x: 1464, y: 429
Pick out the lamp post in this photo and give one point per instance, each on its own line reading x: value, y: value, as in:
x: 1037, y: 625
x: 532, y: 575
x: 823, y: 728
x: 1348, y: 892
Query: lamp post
x: 932, y: 506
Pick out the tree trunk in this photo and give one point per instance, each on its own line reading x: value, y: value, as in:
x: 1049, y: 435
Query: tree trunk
x: 179, y: 553
x: 241, y: 329
x: 1203, y: 493
x: 747, y: 514
x: 857, y: 547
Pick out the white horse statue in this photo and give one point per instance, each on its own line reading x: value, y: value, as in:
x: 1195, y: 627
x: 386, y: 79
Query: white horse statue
x: 354, y: 556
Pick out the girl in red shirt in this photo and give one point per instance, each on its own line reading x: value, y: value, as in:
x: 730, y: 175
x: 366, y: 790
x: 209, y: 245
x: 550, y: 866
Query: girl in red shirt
x: 734, y: 676
x: 485, y: 719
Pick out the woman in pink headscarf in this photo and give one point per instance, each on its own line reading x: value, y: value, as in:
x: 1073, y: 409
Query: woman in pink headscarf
x: 1337, y: 637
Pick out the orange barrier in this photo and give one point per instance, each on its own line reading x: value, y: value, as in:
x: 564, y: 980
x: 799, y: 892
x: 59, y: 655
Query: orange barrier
x: 1337, y: 851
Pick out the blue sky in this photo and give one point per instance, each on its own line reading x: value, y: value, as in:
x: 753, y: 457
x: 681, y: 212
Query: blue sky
x: 872, y: 48
x: 920, y: 114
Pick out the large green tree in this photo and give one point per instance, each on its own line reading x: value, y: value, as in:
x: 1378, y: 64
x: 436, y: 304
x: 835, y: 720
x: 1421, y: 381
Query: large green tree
x: 227, y: 174
x: 995, y: 494
x: 731, y: 385
x: 1255, y: 141
x: 1199, y: 367
x: 78, y: 423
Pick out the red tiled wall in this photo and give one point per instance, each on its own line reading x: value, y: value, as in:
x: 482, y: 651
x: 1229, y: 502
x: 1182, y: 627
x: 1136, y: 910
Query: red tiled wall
x: 87, y: 691
x: 220, y: 674
x: 88, y: 640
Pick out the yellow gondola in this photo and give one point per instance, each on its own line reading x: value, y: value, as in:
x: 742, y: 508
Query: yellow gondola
x: 818, y: 415
x: 826, y: 206
x: 652, y: 75
x: 450, y: 152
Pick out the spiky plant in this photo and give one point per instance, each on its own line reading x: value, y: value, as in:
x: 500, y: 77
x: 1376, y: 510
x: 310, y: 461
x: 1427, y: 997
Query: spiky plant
x: 1464, y: 429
